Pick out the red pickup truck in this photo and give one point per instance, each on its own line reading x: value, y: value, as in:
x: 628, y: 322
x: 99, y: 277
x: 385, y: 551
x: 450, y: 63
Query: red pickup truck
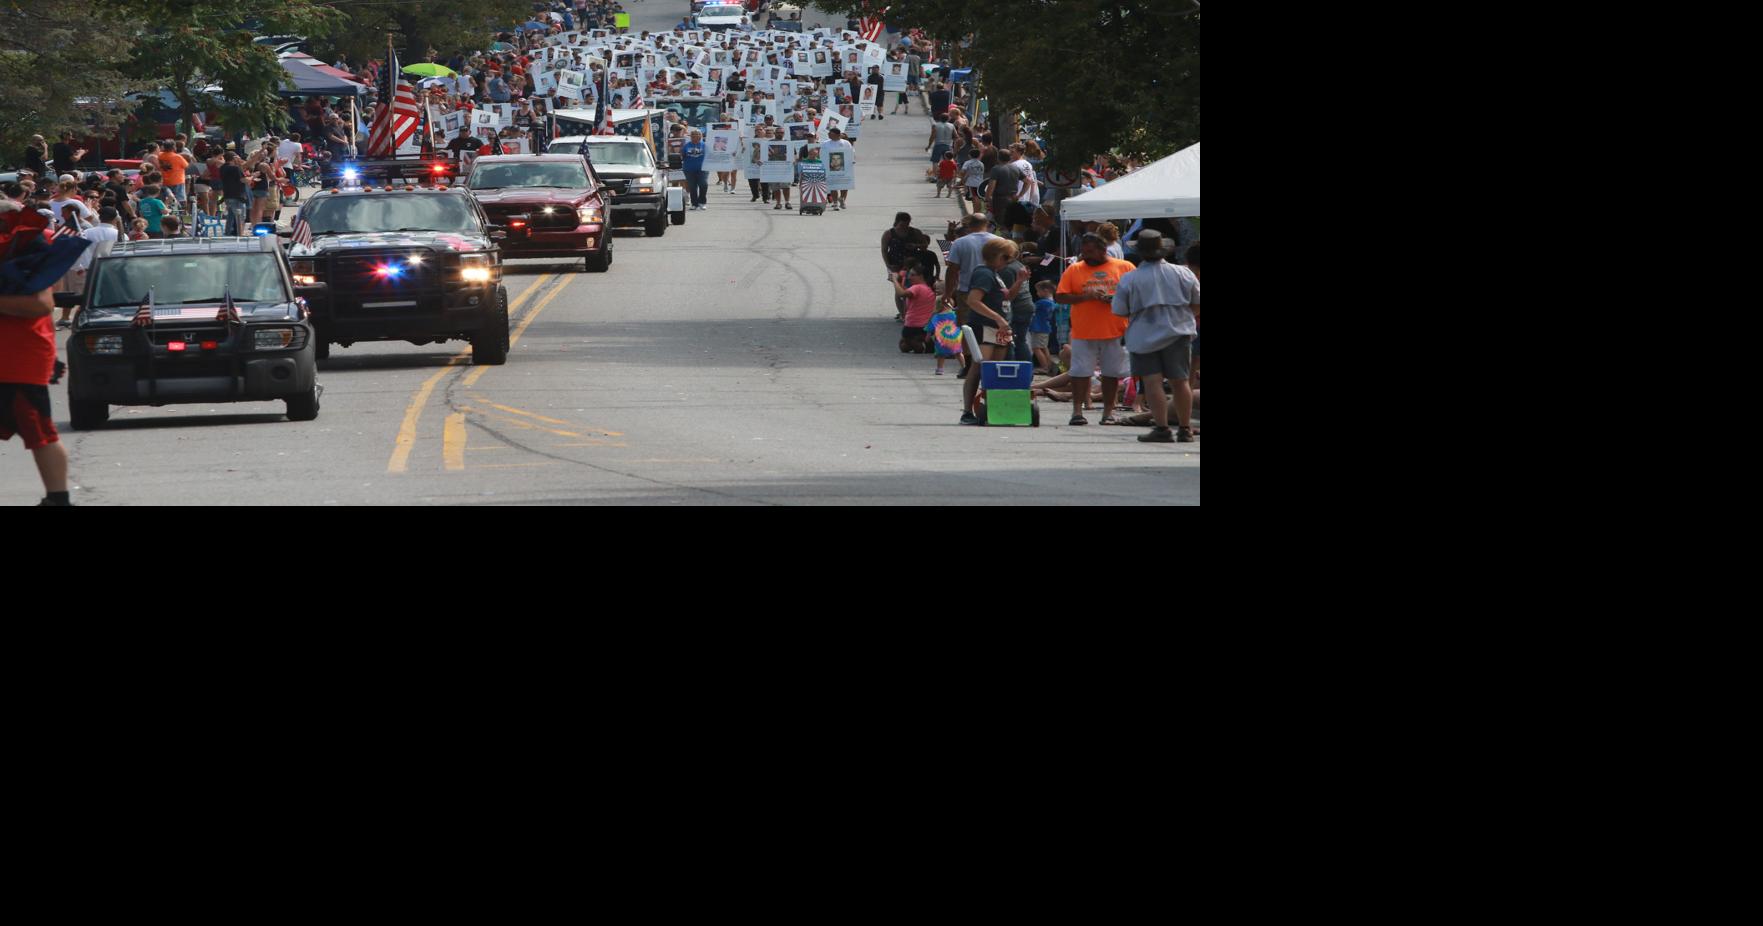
x: 551, y: 205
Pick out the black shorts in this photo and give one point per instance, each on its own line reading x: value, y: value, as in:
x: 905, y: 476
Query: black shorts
x: 914, y: 341
x: 24, y: 411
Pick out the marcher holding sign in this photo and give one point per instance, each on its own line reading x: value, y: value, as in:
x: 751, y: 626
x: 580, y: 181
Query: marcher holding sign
x: 725, y: 145
x: 841, y: 169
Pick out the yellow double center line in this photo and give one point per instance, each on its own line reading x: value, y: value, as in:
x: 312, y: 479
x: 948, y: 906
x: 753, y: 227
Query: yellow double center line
x: 406, y: 443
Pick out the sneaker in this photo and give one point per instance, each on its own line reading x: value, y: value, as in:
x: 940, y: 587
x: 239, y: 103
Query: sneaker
x: 1184, y: 436
x: 968, y: 418
x: 46, y: 503
x: 1158, y: 436
x: 939, y: 372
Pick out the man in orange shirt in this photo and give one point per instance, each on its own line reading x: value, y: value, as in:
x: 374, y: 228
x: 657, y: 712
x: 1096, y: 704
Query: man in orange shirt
x: 173, y: 166
x: 1096, y: 332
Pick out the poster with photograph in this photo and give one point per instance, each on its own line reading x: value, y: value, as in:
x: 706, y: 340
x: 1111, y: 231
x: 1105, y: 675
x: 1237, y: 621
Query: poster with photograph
x: 722, y: 148
x: 485, y: 119
x: 780, y: 162
x: 799, y: 131
x: 894, y: 77
x: 823, y: 64
x: 452, y: 123
x: 869, y: 99
x: 514, y: 146
x: 829, y: 122
x: 841, y: 165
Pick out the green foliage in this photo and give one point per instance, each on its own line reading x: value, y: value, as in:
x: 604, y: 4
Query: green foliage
x: 190, y: 45
x: 1105, y: 77
x: 61, y: 71
x: 447, y: 26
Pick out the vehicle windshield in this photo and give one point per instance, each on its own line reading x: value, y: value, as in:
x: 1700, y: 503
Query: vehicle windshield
x: 618, y: 155
x: 710, y: 12
x: 566, y: 175
x: 565, y: 147
x: 696, y: 114
x: 188, y: 278
x: 341, y: 215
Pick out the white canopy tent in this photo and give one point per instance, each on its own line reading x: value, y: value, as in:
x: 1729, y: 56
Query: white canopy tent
x: 1168, y: 189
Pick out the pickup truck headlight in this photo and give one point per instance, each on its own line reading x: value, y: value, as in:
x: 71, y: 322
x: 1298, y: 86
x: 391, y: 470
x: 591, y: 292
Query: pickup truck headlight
x: 591, y: 215
x: 305, y: 267
x: 474, y: 268
x: 104, y: 343
x: 273, y: 338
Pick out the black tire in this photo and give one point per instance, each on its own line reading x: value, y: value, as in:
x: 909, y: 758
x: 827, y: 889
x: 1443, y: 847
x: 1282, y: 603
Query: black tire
x: 1034, y: 416
x: 90, y: 416
x: 321, y: 350
x: 489, y: 347
x: 657, y: 226
x: 980, y: 413
x: 601, y: 262
x: 679, y: 218
x: 304, y: 408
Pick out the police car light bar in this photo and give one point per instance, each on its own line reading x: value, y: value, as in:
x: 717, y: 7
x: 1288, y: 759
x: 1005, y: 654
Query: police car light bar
x: 263, y: 230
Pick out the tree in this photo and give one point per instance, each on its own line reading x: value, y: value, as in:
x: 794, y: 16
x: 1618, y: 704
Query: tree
x: 191, y: 46
x: 448, y: 26
x: 67, y: 41
x: 1104, y: 76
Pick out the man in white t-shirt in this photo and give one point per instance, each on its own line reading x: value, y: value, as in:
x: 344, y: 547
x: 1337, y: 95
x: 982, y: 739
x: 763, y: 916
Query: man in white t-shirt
x: 1029, y: 194
x: 291, y: 151
x: 103, y: 237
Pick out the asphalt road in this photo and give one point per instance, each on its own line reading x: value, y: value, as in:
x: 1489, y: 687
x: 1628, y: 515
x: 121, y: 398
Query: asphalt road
x: 747, y: 358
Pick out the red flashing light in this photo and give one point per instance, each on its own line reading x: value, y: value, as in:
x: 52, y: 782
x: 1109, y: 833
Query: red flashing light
x: 439, y: 168
x: 516, y: 224
x: 211, y: 345
x: 176, y: 347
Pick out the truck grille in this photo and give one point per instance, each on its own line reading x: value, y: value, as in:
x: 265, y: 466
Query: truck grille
x: 361, y: 273
x: 562, y: 217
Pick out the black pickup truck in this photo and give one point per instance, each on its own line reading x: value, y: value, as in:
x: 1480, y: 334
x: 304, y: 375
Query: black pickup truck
x: 401, y: 263
x: 186, y: 321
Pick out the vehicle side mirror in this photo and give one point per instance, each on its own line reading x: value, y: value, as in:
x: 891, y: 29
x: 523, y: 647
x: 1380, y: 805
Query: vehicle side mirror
x: 497, y: 234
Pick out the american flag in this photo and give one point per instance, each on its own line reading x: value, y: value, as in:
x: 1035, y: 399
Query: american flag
x: 397, y: 118
x: 872, y: 24
x: 144, y: 316
x: 302, y: 233
x: 229, y: 311
x: 603, y: 120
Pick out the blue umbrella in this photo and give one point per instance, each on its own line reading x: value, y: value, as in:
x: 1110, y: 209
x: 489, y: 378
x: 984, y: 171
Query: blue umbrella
x: 530, y: 26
